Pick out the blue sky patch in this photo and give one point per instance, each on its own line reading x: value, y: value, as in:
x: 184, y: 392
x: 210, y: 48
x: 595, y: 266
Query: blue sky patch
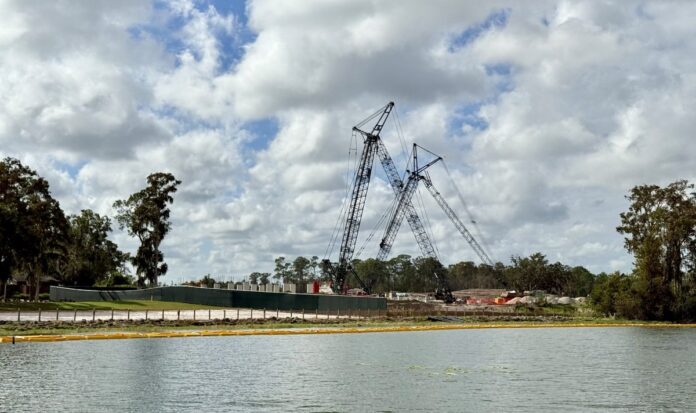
x: 71, y: 168
x: 467, y: 114
x: 263, y: 130
x: 495, y: 20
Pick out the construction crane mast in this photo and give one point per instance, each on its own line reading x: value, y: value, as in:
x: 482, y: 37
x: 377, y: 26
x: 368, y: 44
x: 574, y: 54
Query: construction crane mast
x: 424, y: 243
x: 361, y: 183
x: 373, y: 144
x: 416, y: 174
x: 404, y: 209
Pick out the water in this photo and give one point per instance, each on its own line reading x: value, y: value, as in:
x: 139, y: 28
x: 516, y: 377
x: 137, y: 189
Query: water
x: 521, y: 370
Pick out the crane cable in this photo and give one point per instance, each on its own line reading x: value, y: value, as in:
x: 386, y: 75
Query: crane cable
x: 479, y: 234
x: 428, y: 226
x: 378, y: 225
x: 399, y: 132
x: 352, y: 165
x: 423, y: 212
x: 369, y: 118
x: 387, y: 213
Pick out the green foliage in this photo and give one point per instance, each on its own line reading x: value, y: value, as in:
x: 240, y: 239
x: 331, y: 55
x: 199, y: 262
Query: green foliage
x: 615, y: 294
x: 117, y: 279
x: 282, y: 272
x: 259, y: 277
x: 579, y: 283
x: 145, y: 214
x: 466, y: 275
x: 404, y: 273
x: 33, y: 228
x: 91, y: 258
x: 536, y: 273
x: 373, y: 274
x: 300, y: 270
x: 20, y: 296
x: 660, y: 231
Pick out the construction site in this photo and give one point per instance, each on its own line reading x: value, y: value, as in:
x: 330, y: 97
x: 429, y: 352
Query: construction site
x: 343, y: 287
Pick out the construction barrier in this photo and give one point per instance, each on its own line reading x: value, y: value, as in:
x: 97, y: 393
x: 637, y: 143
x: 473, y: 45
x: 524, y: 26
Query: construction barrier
x: 226, y: 298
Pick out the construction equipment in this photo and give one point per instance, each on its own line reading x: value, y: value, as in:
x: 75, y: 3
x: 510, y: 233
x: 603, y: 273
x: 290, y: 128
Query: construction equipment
x: 416, y: 174
x: 372, y: 144
x: 361, y: 183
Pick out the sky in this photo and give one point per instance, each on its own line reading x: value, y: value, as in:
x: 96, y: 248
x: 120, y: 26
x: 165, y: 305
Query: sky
x: 546, y: 114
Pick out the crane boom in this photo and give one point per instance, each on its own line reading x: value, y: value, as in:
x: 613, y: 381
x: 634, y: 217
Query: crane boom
x: 456, y: 221
x: 402, y: 210
x: 397, y: 217
x: 422, y: 238
x: 356, y: 206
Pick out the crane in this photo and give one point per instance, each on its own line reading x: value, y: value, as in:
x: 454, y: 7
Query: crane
x: 416, y: 174
x: 361, y: 183
x: 372, y: 145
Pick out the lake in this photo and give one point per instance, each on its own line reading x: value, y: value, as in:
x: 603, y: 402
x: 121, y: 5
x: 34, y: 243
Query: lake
x: 520, y: 370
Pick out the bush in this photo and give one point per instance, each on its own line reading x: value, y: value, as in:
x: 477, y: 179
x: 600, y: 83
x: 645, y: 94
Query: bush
x: 20, y: 296
x: 44, y: 297
x: 685, y: 307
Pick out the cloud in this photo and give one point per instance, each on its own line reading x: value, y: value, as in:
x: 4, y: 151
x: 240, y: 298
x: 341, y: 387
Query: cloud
x: 75, y: 82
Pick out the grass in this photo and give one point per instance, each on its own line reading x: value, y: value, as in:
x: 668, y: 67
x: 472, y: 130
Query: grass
x: 33, y: 328
x: 138, y: 305
x: 142, y: 326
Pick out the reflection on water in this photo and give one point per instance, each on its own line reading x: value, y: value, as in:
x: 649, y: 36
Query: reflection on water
x: 580, y: 369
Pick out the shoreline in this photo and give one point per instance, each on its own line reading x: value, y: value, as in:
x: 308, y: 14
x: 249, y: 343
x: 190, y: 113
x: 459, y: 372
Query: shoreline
x: 120, y: 335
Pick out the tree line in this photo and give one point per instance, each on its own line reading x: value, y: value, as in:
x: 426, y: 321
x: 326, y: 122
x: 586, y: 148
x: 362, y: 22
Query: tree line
x: 415, y: 274
x: 660, y: 231
x: 38, y: 240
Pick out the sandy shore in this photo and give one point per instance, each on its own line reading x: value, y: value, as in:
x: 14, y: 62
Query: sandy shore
x: 317, y: 330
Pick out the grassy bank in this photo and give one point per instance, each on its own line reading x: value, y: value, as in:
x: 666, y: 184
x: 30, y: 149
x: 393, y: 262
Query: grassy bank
x: 136, y: 305
x: 92, y: 327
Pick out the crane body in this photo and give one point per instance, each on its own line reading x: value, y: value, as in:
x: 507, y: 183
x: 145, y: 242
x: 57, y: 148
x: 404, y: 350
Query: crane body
x: 404, y: 192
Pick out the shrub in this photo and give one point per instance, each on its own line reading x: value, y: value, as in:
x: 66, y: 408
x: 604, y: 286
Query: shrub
x: 20, y: 296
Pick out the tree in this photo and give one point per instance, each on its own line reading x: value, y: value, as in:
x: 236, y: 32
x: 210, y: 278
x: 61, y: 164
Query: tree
x: 660, y: 231
x: 263, y: 277
x: 527, y: 273
x: 614, y: 294
x: 325, y: 270
x: 254, y: 277
x: 401, y: 272
x: 91, y: 257
x: 145, y: 214
x: 580, y: 282
x: 314, y: 264
x: 33, y: 227
x: 282, y: 270
x: 373, y: 274
x: 427, y: 269
x: 466, y: 274
x: 300, y: 268
x: 207, y: 281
